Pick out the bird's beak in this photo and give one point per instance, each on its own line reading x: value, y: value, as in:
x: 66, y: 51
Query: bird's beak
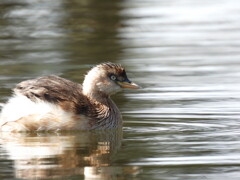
x: 128, y: 84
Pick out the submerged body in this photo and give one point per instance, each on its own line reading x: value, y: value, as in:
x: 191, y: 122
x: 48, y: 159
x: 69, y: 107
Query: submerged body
x: 54, y: 103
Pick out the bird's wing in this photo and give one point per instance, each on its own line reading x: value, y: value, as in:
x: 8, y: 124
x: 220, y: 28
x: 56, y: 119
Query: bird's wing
x: 55, y: 90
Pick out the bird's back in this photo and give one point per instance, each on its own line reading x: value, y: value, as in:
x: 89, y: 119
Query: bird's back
x: 49, y: 88
x: 44, y: 98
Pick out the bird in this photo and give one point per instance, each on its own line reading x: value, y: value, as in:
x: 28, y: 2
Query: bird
x: 53, y: 103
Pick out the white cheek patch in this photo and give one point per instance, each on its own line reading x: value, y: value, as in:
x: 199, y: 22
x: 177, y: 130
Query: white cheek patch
x: 97, y: 80
x: 108, y: 87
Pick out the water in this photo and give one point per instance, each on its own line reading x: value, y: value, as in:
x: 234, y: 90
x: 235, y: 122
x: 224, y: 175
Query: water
x: 183, y: 124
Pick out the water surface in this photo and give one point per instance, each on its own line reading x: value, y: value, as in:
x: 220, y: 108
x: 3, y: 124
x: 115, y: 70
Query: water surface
x: 183, y: 124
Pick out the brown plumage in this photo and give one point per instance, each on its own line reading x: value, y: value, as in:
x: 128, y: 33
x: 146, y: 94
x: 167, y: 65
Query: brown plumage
x: 55, y: 103
x: 57, y: 90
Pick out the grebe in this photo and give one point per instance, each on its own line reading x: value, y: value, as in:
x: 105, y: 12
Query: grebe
x: 54, y: 103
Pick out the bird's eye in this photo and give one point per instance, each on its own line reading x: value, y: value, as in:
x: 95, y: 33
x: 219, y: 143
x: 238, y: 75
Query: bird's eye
x: 113, y: 77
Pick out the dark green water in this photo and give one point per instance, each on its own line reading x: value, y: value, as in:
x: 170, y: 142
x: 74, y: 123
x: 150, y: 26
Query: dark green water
x: 183, y: 124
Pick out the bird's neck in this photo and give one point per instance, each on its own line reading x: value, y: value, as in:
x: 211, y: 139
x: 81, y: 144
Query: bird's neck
x: 89, y: 86
x: 91, y: 90
x: 107, y: 114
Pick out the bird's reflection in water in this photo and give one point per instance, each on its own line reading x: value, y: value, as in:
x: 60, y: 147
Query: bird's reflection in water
x: 51, y: 155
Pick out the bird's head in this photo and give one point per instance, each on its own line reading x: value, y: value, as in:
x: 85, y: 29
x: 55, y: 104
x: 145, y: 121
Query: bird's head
x: 107, y: 79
